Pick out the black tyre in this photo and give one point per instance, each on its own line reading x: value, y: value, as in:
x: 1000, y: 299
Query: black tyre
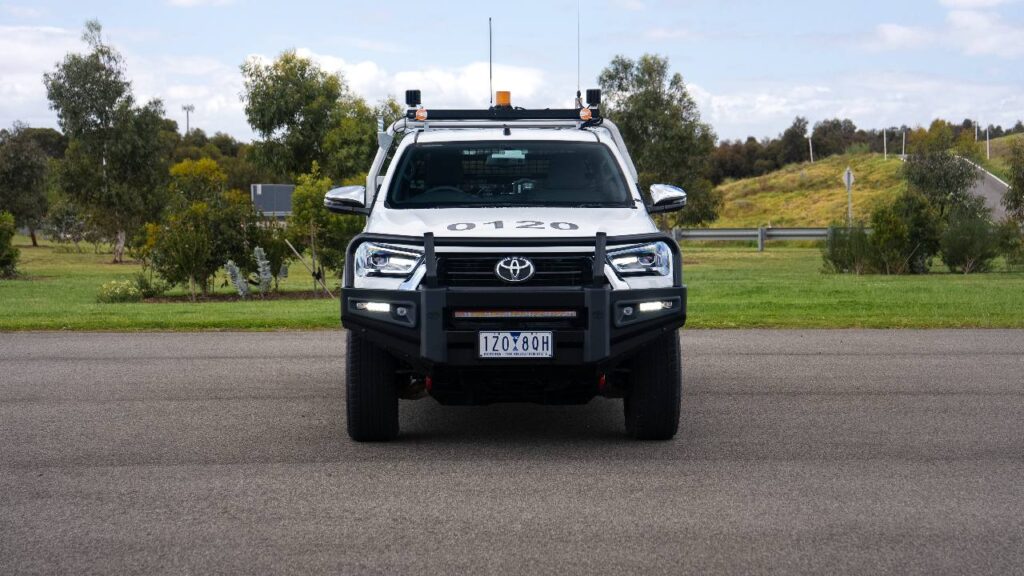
x: 372, y: 399
x: 652, y: 401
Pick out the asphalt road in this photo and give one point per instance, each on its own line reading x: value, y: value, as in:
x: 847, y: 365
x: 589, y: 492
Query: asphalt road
x: 801, y: 452
x: 992, y: 190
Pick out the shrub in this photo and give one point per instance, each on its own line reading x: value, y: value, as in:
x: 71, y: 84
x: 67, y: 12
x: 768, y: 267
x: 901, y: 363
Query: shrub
x: 183, y: 249
x: 148, y: 287
x: 271, y: 236
x: 196, y: 240
x: 847, y: 249
x: 311, y: 226
x: 238, y: 279
x: 970, y: 241
x: 1012, y: 244
x: 266, y: 277
x: 119, y: 291
x: 859, y: 148
x: 8, y: 253
x: 1013, y: 198
x: 905, y: 235
x: 944, y: 178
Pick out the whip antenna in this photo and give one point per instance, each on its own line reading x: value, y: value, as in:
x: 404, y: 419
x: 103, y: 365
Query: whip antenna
x: 490, y: 60
x: 579, y: 101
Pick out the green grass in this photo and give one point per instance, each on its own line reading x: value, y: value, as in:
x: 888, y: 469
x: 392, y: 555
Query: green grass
x: 783, y: 287
x: 734, y: 287
x: 810, y: 195
x: 58, y: 292
x: 999, y: 165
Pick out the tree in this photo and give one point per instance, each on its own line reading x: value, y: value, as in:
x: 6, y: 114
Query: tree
x: 310, y: 226
x: 938, y: 137
x: 51, y: 141
x: 8, y: 253
x: 793, y: 146
x: 23, y: 168
x: 944, y: 178
x: 967, y: 147
x: 1013, y: 198
x: 183, y: 251
x: 832, y: 137
x: 197, y: 238
x: 352, y: 143
x: 197, y: 180
x: 116, y: 162
x: 970, y: 241
x: 905, y: 235
x: 291, y: 103
x: 662, y: 128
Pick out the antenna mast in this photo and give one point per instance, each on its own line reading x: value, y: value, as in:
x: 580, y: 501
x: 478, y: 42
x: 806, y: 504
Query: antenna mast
x: 490, y: 59
x: 579, y: 101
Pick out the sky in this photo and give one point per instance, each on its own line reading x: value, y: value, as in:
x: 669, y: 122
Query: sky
x: 752, y: 66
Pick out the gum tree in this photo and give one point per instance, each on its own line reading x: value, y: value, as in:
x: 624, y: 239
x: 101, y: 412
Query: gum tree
x: 115, y: 167
x: 23, y: 168
x: 662, y: 127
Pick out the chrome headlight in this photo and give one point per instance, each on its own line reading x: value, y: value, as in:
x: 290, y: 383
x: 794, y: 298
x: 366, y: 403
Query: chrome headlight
x: 386, y: 260
x: 654, y: 259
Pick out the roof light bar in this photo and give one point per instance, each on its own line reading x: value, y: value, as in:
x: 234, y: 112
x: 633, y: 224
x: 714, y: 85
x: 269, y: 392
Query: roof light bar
x: 503, y: 110
x: 505, y: 114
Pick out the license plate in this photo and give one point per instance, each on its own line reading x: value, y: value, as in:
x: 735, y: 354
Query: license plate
x: 516, y: 345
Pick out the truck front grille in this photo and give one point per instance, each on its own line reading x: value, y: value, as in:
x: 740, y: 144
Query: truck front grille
x: 477, y: 270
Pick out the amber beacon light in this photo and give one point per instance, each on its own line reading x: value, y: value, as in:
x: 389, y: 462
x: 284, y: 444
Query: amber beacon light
x: 503, y: 99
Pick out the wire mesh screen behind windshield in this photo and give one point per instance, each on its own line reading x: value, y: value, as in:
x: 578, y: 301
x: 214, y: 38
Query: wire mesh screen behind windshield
x: 508, y: 174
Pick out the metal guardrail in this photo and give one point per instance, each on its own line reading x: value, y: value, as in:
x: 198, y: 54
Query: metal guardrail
x: 760, y: 235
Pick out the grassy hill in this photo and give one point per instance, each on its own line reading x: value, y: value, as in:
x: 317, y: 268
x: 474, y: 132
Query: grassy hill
x: 810, y: 194
x: 1000, y: 154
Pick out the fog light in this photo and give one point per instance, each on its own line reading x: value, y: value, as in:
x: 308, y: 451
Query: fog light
x: 402, y: 311
x: 627, y: 311
x: 655, y: 306
x: 373, y: 306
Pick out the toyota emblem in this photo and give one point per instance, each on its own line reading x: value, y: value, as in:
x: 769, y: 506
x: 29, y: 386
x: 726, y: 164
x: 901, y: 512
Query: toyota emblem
x: 514, y: 269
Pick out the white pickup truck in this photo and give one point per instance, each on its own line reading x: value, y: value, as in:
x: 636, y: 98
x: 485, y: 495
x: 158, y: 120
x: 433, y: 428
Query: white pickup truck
x: 509, y: 256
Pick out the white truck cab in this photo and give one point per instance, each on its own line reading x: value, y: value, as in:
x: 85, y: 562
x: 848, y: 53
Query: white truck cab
x: 509, y: 255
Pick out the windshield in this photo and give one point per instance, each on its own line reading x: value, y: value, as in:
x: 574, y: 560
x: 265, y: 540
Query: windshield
x: 477, y: 174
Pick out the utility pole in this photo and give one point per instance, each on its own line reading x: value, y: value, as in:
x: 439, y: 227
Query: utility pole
x: 810, y: 143
x: 885, y: 144
x: 988, y: 143
x: 189, y: 109
x: 904, y: 143
x: 848, y: 179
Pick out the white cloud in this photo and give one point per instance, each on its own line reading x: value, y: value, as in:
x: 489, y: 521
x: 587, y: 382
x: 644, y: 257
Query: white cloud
x: 973, y: 4
x: 870, y: 100
x: 896, y: 37
x: 192, y: 3
x: 985, y: 34
x: 631, y: 5
x: 20, y: 11
x: 973, y: 27
x: 29, y: 51
x: 371, y: 45
x: 665, y: 33
x: 460, y: 86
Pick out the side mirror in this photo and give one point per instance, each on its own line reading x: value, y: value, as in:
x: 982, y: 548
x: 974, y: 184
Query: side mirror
x: 666, y: 198
x: 346, y: 200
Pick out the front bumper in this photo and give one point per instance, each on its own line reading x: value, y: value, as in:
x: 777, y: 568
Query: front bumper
x: 421, y: 328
